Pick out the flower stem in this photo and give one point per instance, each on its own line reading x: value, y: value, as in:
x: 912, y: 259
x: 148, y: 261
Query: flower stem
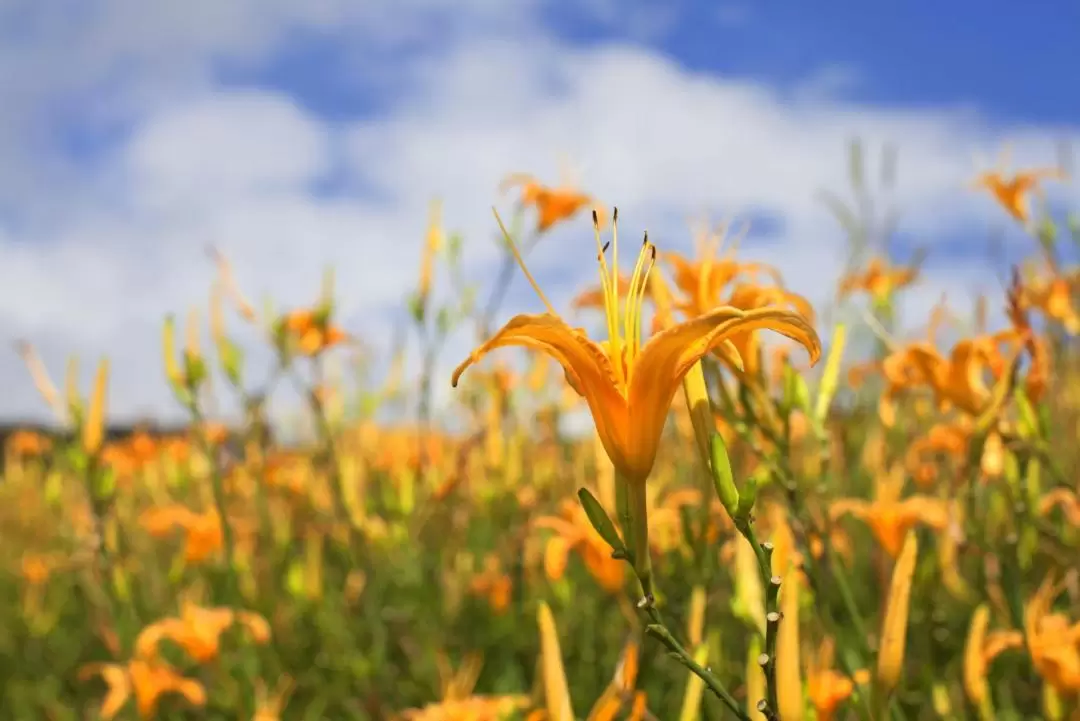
x: 661, y: 633
x: 639, y: 529
x: 221, y: 505
x: 634, y: 517
x: 763, y: 551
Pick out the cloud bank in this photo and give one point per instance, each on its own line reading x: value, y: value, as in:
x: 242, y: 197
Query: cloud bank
x: 127, y: 154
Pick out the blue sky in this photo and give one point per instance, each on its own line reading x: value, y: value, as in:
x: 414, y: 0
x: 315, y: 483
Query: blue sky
x: 1008, y: 61
x: 1009, y: 64
x: 296, y: 135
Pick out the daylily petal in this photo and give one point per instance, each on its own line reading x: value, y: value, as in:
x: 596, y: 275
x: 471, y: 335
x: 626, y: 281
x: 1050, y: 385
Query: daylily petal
x: 845, y: 506
x: 586, y: 365
x: 119, y: 686
x: 931, y: 511
x: 667, y: 357
x: 556, y: 555
x: 997, y: 642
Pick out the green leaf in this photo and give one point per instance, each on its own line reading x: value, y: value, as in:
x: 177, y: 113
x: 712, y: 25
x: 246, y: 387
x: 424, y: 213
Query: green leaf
x: 599, y: 519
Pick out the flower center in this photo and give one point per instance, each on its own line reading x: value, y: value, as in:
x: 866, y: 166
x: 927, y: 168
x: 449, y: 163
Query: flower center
x: 623, y: 322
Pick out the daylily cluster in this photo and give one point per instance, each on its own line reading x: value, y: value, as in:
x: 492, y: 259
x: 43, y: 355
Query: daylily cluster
x: 197, y: 630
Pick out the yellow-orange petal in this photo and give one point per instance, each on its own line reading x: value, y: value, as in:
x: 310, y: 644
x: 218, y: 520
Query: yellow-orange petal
x: 118, y: 683
x: 658, y: 371
x: 556, y: 555
x: 849, y: 506
x: 585, y: 363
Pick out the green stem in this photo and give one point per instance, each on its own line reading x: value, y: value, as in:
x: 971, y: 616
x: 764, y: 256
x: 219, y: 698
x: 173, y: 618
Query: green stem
x: 217, y: 485
x: 634, y: 516
x: 228, y: 538
x: 328, y: 454
x: 771, y: 583
x: 639, y: 530
x: 661, y: 633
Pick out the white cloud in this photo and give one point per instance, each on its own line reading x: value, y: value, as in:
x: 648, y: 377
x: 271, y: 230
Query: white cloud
x: 235, y: 168
x: 221, y: 148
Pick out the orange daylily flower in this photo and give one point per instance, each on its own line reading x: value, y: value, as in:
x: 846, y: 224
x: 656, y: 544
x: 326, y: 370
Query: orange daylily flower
x: 951, y: 440
x: 37, y: 568
x: 702, y: 280
x: 1012, y: 192
x: 1052, y: 642
x: 888, y: 516
x: 826, y: 687
x: 574, y: 532
x: 198, y: 630
x: 148, y: 680
x: 553, y: 205
x: 629, y: 385
x: 493, y: 584
x: 312, y: 331
x: 879, y: 279
x: 957, y: 380
x: 202, y: 531
x: 1054, y: 296
x: 28, y: 443
x: 132, y: 454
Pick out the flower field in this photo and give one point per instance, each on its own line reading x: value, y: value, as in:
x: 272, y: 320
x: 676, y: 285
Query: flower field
x: 768, y: 518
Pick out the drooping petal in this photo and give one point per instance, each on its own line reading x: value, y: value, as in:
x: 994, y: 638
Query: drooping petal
x: 669, y: 355
x: 586, y: 365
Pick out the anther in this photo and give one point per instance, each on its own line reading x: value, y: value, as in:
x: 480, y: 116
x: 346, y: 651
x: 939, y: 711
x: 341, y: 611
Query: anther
x: 595, y: 219
x: 614, y: 215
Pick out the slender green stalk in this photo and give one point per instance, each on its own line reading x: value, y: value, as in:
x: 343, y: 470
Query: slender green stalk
x: 771, y: 583
x: 633, y: 516
x: 661, y: 633
x: 639, y: 542
x: 217, y: 485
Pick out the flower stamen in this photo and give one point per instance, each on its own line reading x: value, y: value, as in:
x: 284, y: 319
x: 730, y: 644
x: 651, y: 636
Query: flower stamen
x: 609, y: 284
x: 636, y: 297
